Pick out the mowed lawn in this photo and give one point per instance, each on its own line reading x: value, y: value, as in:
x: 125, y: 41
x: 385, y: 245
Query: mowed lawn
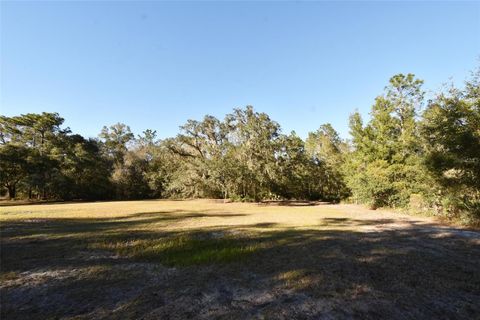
x: 212, y: 260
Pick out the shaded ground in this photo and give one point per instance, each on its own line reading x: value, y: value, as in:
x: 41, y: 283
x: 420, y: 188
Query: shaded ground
x: 207, y: 259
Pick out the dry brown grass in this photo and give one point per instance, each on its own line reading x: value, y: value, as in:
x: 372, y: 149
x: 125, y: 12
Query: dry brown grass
x: 208, y: 259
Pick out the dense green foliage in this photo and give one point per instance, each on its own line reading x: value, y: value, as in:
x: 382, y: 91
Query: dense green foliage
x: 451, y: 133
x: 428, y: 160
x: 411, y: 153
x: 384, y: 166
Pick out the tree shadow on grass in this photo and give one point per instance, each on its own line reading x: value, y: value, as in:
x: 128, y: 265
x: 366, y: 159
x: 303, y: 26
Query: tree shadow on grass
x: 175, y: 214
x: 55, y: 226
x: 293, y: 203
x: 412, y: 273
x: 342, y: 222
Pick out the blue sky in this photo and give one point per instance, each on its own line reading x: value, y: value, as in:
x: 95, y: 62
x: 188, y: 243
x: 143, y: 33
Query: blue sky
x: 156, y: 64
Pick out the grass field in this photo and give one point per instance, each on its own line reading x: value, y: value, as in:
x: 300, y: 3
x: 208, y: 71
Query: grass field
x: 208, y: 259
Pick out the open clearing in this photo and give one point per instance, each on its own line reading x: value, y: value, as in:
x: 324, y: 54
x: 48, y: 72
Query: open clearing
x: 207, y: 259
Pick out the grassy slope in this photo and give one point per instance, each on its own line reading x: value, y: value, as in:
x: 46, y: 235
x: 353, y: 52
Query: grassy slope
x: 204, y: 259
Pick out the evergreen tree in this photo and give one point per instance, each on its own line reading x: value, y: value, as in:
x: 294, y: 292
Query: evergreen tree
x: 384, y: 167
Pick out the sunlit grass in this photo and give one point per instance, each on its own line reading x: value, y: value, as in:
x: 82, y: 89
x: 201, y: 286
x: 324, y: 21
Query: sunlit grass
x: 161, y: 231
x: 173, y: 233
x: 183, y: 250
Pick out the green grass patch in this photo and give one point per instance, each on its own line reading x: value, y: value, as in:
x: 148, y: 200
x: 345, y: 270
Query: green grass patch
x: 185, y: 250
x: 5, y: 276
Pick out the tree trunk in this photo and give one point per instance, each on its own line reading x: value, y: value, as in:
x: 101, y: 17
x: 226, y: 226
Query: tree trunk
x: 11, y: 192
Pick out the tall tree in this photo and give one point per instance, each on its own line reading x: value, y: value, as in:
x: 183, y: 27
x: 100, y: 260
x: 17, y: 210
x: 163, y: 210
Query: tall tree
x: 201, y: 145
x: 115, y: 140
x: 255, y: 137
x: 13, y: 167
x: 451, y: 132
x: 325, y: 148
x: 384, y: 167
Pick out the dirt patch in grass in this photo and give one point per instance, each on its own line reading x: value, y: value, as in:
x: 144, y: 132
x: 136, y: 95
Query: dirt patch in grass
x: 201, y: 259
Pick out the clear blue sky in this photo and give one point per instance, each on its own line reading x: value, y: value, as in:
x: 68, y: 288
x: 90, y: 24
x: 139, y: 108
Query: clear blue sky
x: 157, y: 64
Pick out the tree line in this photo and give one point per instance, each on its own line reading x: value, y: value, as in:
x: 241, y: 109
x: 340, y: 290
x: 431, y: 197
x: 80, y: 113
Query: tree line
x: 412, y: 153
